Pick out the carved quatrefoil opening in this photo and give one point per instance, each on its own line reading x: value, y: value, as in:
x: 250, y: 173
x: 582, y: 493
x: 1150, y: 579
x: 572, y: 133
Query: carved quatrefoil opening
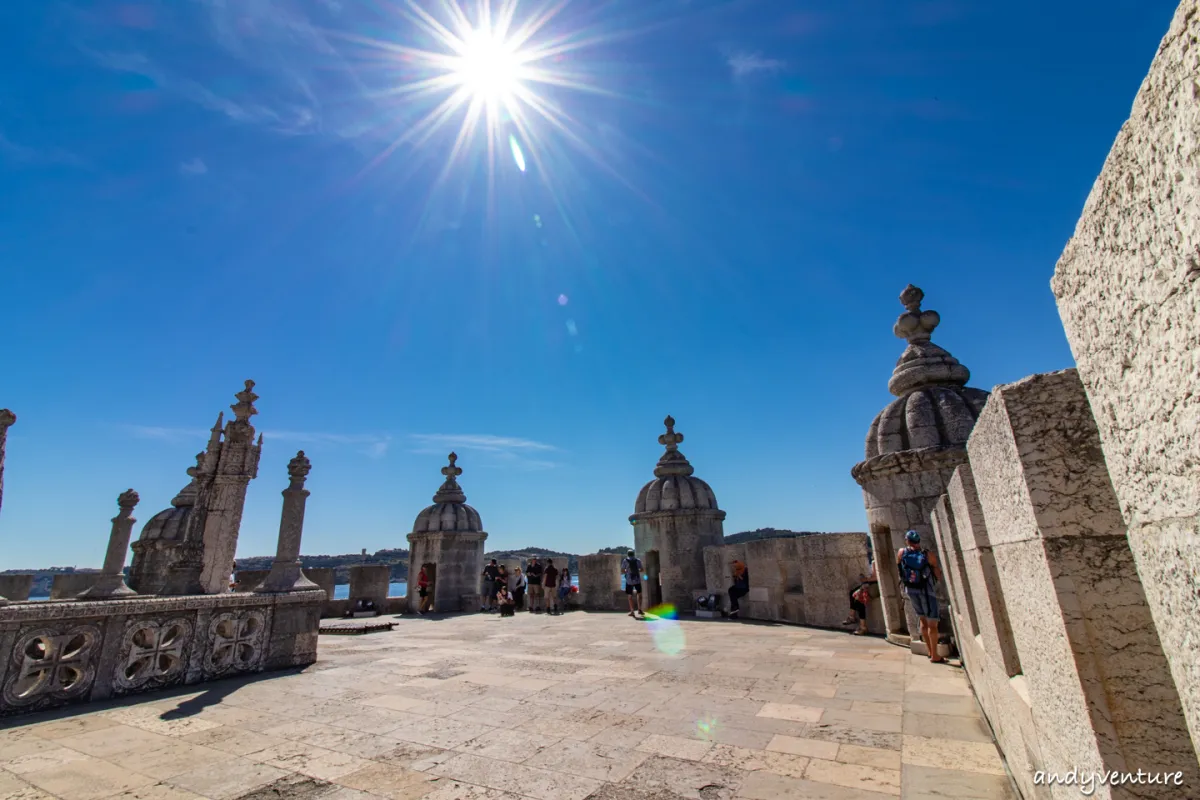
x: 51, y: 664
x: 153, y: 653
x: 236, y: 642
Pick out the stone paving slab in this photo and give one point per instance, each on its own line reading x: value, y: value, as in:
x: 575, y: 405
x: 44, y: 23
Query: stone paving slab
x: 479, y: 707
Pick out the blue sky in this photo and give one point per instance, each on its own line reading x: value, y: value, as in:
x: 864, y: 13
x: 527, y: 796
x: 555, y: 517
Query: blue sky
x: 197, y: 192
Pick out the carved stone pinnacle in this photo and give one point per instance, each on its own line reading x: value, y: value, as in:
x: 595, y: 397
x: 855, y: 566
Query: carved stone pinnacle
x: 451, y: 472
x: 7, y: 418
x: 298, y: 468
x: 128, y: 499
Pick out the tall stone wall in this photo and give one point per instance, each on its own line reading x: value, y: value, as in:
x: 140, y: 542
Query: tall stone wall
x: 804, y: 579
x: 1128, y: 291
x: 1102, y: 695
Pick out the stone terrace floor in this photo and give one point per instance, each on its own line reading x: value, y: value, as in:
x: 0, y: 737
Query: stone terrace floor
x: 556, y: 708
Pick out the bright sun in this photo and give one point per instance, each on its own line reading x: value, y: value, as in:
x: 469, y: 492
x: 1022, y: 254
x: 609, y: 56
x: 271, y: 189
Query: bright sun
x: 487, y: 67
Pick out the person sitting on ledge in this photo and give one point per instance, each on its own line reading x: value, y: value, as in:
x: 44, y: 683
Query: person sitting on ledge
x: 859, y: 596
x: 508, y: 606
x: 740, y: 588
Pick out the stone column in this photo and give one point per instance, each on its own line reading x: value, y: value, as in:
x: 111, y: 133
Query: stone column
x: 111, y: 582
x: 7, y: 418
x: 286, y: 575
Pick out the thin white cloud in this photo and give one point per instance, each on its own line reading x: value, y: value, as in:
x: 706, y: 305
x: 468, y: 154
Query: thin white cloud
x: 745, y: 64
x: 194, y: 166
x: 28, y: 155
x: 494, y: 451
x: 162, y: 434
x: 483, y: 442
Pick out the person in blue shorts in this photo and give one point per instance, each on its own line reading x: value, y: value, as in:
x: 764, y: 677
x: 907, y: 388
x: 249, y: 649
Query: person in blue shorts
x: 919, y: 571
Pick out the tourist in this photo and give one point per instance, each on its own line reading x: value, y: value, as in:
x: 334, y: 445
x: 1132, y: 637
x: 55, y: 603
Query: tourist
x: 423, y: 590
x: 631, y: 565
x: 534, y: 576
x: 490, y: 574
x: 502, y: 578
x: 505, y: 600
x: 860, y: 595
x: 516, y: 587
x: 233, y: 578
x: 919, y: 571
x: 564, y: 588
x: 550, y: 582
x: 740, y: 588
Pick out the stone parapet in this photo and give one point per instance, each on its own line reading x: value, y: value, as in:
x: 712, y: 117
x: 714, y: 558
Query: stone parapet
x: 67, y: 585
x: 370, y: 582
x: 803, y: 579
x: 16, y: 587
x: 69, y: 653
x: 600, y: 583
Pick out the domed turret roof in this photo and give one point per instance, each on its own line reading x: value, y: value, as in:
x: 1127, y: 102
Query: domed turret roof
x: 674, y: 487
x: 170, y: 525
x: 933, y: 407
x: 449, y: 512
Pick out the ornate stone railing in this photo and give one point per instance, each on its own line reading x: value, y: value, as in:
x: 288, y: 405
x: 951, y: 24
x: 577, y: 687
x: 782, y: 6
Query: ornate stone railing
x: 61, y: 653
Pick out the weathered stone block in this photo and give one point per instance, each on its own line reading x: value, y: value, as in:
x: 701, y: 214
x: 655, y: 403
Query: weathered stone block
x: 68, y: 585
x: 600, y: 582
x: 1101, y: 687
x: 15, y: 587
x: 370, y: 582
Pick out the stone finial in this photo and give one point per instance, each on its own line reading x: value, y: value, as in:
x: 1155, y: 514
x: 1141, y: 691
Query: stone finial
x: 671, y: 439
x: 244, y: 408
x: 214, y: 433
x: 672, y: 462
x: 923, y: 363
x: 298, y: 469
x: 450, y: 491
x: 915, y: 325
x: 127, y: 500
x: 7, y: 418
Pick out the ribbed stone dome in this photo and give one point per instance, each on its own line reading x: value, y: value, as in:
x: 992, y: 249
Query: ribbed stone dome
x: 933, y: 407
x: 674, y: 488
x: 449, y: 512
x: 675, y: 492
x: 935, y: 416
x: 170, y: 525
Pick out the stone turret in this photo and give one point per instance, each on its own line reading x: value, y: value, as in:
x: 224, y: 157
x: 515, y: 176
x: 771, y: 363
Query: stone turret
x: 230, y: 465
x: 449, y: 535
x: 912, y: 448
x: 157, y: 549
x: 675, y: 517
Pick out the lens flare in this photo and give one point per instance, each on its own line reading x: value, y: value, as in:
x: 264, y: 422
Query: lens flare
x: 518, y: 156
x: 705, y: 728
x: 665, y: 630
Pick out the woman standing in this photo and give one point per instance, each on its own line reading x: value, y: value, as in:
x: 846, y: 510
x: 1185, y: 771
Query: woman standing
x: 740, y: 588
x: 516, y: 585
x: 564, y: 588
x: 423, y: 591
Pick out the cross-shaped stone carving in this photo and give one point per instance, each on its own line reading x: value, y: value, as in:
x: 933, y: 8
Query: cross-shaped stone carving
x: 155, y: 653
x: 670, y: 439
x: 52, y: 663
x: 451, y: 472
x: 236, y: 643
x: 914, y: 325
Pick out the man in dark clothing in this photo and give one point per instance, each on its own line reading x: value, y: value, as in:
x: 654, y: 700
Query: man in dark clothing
x: 491, y: 574
x: 550, y: 582
x: 740, y: 588
x: 533, y: 574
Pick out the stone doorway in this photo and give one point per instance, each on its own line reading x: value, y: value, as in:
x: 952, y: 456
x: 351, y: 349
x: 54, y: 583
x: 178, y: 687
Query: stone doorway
x: 653, y: 580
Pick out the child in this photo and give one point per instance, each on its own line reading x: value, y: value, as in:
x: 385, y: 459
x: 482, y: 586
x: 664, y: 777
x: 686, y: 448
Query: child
x: 507, y: 606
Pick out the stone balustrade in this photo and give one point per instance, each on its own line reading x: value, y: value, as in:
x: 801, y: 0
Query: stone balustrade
x: 66, y: 653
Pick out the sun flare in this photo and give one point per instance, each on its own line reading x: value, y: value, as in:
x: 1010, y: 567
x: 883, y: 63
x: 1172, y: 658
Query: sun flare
x: 487, y: 67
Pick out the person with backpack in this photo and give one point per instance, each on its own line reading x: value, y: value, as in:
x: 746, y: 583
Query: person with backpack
x: 631, y: 566
x: 919, y: 570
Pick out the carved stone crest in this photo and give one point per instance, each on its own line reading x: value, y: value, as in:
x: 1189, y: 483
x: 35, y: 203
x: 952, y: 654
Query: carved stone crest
x: 50, y: 666
x: 153, y: 654
x: 235, y: 643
